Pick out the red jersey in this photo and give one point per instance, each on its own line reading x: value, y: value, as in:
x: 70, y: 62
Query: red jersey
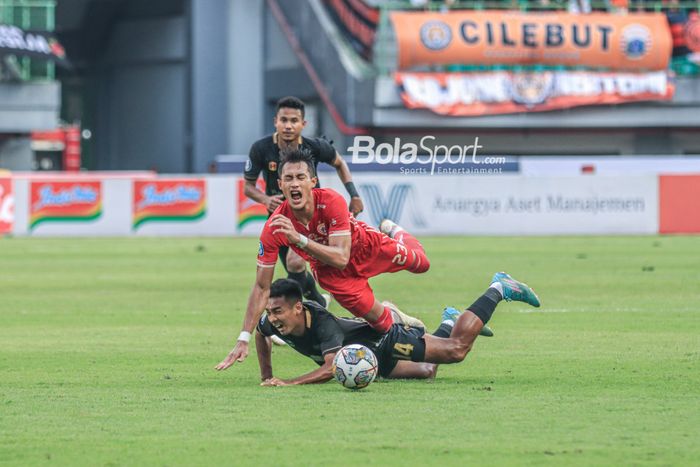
x: 331, y: 218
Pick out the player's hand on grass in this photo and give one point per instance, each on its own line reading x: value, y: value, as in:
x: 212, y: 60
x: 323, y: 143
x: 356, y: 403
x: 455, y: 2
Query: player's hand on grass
x: 356, y: 206
x: 274, y: 382
x: 282, y: 224
x: 238, y: 354
x: 272, y: 202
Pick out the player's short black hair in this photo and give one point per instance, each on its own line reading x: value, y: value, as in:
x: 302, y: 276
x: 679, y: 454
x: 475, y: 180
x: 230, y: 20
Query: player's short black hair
x: 288, y: 289
x: 296, y: 155
x: 290, y: 102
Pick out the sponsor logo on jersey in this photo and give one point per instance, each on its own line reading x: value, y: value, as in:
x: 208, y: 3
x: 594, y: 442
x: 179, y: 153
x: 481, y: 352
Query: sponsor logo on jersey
x: 322, y: 239
x: 261, y: 249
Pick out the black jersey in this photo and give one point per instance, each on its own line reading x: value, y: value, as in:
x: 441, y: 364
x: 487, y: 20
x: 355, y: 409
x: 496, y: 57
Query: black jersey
x: 265, y: 157
x: 325, y: 333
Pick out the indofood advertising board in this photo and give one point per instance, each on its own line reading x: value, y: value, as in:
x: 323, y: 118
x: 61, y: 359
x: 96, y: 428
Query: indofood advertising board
x: 505, y: 204
x: 184, y: 206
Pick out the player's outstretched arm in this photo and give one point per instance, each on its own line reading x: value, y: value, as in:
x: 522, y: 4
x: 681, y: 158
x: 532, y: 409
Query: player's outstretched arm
x: 341, y: 167
x: 336, y: 253
x: 256, y: 304
x: 320, y: 375
x: 263, y: 347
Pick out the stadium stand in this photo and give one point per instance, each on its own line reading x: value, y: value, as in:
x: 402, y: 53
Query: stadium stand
x: 361, y: 82
x: 29, y: 92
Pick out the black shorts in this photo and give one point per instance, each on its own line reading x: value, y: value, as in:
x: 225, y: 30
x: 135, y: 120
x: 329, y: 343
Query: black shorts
x: 400, y: 343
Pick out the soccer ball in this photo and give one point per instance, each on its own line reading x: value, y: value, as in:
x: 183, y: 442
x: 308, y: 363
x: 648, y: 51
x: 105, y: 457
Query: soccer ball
x: 355, y: 366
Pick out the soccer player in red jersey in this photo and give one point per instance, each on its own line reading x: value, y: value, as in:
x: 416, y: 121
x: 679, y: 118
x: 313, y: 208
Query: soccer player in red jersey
x: 343, y: 252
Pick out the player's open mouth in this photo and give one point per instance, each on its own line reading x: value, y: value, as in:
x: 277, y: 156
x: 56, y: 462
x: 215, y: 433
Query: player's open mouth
x: 295, y: 195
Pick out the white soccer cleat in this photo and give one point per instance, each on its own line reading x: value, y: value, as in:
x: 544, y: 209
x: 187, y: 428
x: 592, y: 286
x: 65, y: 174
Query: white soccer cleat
x: 402, y: 318
x: 328, y: 298
x: 389, y: 227
x: 277, y: 340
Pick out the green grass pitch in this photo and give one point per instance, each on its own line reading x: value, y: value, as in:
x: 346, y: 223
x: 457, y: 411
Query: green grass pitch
x: 107, y: 350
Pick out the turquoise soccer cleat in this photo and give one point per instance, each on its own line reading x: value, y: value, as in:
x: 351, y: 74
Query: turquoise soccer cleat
x: 514, y: 290
x: 451, y: 313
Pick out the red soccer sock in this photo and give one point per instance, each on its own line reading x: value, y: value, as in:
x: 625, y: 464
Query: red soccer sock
x: 383, y: 324
x: 420, y: 261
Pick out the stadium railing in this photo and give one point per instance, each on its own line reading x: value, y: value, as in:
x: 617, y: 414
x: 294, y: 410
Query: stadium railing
x: 37, y: 15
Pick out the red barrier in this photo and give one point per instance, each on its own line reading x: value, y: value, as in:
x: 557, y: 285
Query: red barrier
x: 679, y: 204
x: 7, y: 205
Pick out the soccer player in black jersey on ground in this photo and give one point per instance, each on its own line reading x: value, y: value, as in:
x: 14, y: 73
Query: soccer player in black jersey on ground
x: 265, y: 157
x: 403, y: 352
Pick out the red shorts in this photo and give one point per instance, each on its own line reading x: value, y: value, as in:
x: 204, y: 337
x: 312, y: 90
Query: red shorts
x: 381, y: 254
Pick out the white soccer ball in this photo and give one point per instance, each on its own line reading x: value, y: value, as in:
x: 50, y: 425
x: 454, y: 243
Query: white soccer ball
x: 355, y: 366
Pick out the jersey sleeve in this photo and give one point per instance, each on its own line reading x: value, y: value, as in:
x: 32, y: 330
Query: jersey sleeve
x: 337, y: 215
x: 326, y: 152
x: 264, y: 327
x: 254, y: 164
x: 329, y: 334
x: 268, y: 250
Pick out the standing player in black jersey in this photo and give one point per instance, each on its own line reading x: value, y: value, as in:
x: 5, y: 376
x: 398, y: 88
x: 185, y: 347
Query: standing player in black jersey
x: 403, y: 352
x: 265, y: 157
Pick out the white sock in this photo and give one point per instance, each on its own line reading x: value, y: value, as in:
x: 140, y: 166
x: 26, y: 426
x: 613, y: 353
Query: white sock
x: 498, y: 286
x: 449, y: 322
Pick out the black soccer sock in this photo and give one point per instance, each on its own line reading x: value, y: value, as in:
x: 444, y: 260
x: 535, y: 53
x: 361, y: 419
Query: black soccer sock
x: 299, y: 277
x: 443, y: 331
x: 493, y: 294
x: 308, y: 286
x: 311, y: 291
x: 485, y: 305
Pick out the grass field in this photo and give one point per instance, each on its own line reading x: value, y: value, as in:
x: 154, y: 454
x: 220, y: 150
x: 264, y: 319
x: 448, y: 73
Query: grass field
x: 107, y: 349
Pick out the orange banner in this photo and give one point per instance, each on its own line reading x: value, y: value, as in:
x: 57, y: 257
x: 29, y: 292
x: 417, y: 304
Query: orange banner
x: 635, y: 41
x: 679, y: 204
x: 471, y: 94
